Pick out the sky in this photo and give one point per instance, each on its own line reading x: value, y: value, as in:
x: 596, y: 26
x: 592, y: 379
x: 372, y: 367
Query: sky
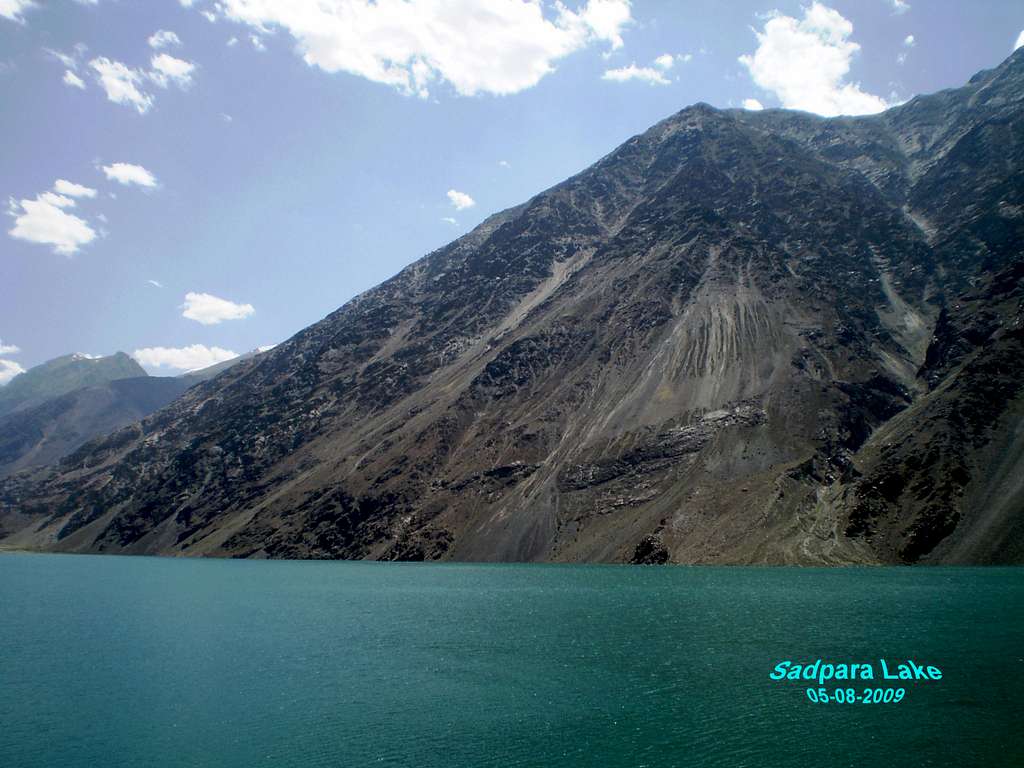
x: 185, y: 180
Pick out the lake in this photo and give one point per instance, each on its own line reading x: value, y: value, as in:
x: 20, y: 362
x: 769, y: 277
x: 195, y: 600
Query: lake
x: 108, y: 661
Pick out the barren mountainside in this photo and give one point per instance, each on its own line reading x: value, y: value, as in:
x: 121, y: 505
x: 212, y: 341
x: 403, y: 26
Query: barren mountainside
x: 741, y: 337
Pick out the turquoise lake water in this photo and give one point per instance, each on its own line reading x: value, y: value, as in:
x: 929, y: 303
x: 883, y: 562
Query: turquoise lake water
x: 108, y: 661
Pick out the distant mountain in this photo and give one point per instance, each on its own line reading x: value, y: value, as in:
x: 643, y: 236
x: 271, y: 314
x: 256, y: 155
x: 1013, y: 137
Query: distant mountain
x: 62, y: 375
x: 741, y: 337
x: 45, y: 433
x: 41, y: 432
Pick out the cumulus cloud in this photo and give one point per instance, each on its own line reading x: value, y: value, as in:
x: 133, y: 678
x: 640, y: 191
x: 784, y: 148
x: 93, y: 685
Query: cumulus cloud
x: 498, y: 47
x: 122, y: 84
x: 8, y: 368
x: 45, y: 220
x: 163, y: 38
x: 69, y: 188
x: 460, y: 200
x: 805, y: 62
x: 126, y: 173
x: 8, y: 349
x: 909, y: 41
x: 70, y: 78
x: 190, y: 358
x: 753, y: 104
x: 127, y: 85
x: 208, y: 309
x: 665, y: 61
x: 649, y: 75
x: 12, y: 9
x: 167, y: 69
x: 900, y: 6
x: 504, y: 164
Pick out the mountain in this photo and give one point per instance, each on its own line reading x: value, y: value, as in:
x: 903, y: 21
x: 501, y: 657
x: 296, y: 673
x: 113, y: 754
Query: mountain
x: 741, y: 337
x: 62, y: 375
x: 43, y: 431
x: 204, y: 374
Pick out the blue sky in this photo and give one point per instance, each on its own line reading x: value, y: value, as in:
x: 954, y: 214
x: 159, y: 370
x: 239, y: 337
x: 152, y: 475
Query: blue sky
x: 188, y: 180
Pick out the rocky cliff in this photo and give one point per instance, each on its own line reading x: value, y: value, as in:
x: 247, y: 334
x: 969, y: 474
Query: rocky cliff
x: 741, y: 337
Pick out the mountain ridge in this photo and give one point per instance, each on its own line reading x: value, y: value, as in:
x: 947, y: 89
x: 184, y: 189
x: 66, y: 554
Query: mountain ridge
x: 682, y: 353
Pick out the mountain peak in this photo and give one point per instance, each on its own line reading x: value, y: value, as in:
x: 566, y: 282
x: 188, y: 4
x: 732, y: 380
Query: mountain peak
x: 64, y: 374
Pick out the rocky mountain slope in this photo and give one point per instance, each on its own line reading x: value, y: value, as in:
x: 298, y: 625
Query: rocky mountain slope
x: 739, y: 338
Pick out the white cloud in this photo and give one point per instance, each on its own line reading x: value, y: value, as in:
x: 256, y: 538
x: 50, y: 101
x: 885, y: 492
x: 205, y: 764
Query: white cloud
x: 155, y: 283
x: 70, y: 78
x: 665, y: 61
x: 460, y: 200
x: 233, y: 41
x: 504, y: 164
x: 607, y: 18
x: 190, y: 358
x: 805, y: 63
x: 64, y: 58
x: 753, y: 104
x: 498, y: 47
x: 9, y: 349
x: 167, y: 69
x: 908, y: 42
x: 163, y: 38
x: 449, y: 220
x: 633, y: 72
x: 69, y: 188
x: 186, y: 3
x: 8, y: 368
x: 257, y: 42
x: 44, y: 220
x: 122, y: 83
x: 265, y: 348
x: 210, y: 16
x: 208, y: 309
x: 900, y: 6
x: 1020, y: 40
x: 126, y: 173
x: 12, y: 9
x: 686, y: 57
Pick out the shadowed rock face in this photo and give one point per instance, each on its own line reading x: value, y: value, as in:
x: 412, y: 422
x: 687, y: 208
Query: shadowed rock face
x: 45, y: 433
x: 740, y: 337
